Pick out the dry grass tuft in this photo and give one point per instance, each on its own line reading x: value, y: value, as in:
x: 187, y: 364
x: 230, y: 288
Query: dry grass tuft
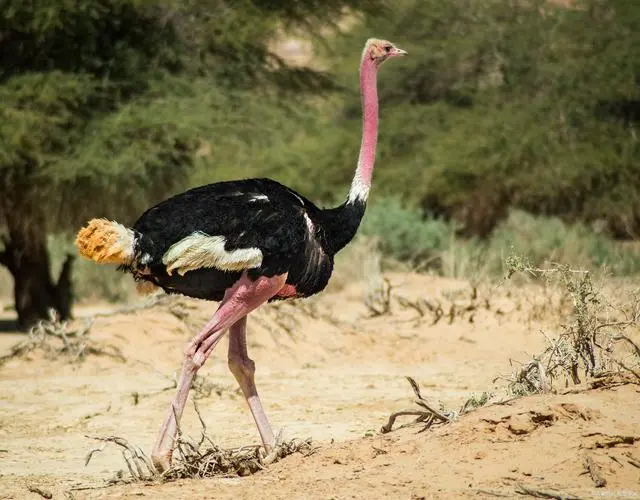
x: 200, y: 459
x: 524, y: 490
x: 56, y: 340
x: 197, y: 460
x: 594, y: 343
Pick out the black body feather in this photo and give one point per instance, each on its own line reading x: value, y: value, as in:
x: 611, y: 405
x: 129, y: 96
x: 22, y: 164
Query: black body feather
x: 251, y: 213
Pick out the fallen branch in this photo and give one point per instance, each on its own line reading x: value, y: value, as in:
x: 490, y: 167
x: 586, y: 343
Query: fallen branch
x: 632, y: 460
x: 40, y: 491
x: 426, y: 414
x: 594, y: 472
x: 135, y: 459
x: 493, y: 493
x: 193, y: 460
x: 532, y: 492
x: 75, y: 344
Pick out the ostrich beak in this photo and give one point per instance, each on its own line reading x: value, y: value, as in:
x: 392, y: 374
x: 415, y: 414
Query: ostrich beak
x: 398, y: 52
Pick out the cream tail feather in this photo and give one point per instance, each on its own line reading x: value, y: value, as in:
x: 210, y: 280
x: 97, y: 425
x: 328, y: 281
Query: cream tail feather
x: 107, y: 242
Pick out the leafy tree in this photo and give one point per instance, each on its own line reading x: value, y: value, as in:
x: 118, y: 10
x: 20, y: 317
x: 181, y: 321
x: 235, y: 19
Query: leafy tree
x: 500, y: 104
x: 106, y: 105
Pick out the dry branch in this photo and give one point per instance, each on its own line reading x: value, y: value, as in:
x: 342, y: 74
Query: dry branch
x: 40, y: 491
x: 585, y: 347
x: 456, y: 309
x: 635, y: 346
x: 411, y: 304
x: 426, y: 413
x: 632, y: 460
x: 76, y: 344
x: 594, y: 472
x: 139, y: 465
x: 533, y: 492
x: 203, y: 458
x: 493, y: 493
x: 55, y: 339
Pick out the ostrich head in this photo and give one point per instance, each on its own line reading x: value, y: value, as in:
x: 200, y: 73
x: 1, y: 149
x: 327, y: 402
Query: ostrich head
x: 380, y: 50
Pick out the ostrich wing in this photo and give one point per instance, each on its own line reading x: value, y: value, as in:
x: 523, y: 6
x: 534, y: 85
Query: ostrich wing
x: 229, y: 226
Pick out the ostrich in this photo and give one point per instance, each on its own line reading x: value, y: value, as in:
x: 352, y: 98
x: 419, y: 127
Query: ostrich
x: 241, y: 243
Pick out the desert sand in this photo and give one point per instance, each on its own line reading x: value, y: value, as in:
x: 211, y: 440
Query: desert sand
x: 329, y: 370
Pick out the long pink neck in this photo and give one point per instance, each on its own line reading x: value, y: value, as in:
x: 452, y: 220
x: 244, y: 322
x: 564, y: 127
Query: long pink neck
x: 362, y: 179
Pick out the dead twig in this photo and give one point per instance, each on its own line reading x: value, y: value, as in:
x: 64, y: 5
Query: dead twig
x: 204, y: 458
x: 416, y: 305
x: 448, y: 417
x: 594, y: 472
x: 40, y: 491
x: 533, y: 492
x: 632, y: 460
x: 635, y: 346
x: 55, y: 339
x: 192, y: 461
x: 493, y: 493
x: 139, y: 465
x: 435, y: 309
x: 422, y: 416
x: 426, y: 413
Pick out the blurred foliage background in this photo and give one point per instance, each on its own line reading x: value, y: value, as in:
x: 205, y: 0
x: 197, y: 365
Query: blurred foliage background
x: 510, y: 125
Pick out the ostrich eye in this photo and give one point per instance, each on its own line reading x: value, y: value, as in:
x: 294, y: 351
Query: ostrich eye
x: 387, y: 48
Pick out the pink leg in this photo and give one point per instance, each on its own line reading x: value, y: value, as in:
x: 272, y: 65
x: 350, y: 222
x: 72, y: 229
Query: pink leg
x: 243, y: 369
x: 240, y: 300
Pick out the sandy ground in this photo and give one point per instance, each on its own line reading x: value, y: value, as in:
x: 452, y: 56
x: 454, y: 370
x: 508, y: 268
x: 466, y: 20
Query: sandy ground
x: 329, y: 371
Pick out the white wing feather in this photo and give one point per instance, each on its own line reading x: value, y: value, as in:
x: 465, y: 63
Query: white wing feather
x: 199, y: 250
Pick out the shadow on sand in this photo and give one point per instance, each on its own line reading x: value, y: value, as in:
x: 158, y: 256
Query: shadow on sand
x: 9, y: 325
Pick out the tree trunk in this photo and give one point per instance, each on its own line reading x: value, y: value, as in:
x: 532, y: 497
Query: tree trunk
x: 27, y: 258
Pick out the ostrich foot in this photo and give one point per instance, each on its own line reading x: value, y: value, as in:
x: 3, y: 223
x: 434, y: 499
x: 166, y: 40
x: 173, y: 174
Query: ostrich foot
x: 281, y: 449
x: 161, y: 461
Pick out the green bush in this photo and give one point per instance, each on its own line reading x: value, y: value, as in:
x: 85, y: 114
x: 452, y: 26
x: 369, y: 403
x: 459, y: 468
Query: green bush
x: 525, y: 105
x: 427, y: 243
x: 404, y: 234
x: 549, y: 239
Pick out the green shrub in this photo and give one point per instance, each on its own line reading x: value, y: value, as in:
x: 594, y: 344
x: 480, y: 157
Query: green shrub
x: 404, y: 234
x: 543, y: 239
